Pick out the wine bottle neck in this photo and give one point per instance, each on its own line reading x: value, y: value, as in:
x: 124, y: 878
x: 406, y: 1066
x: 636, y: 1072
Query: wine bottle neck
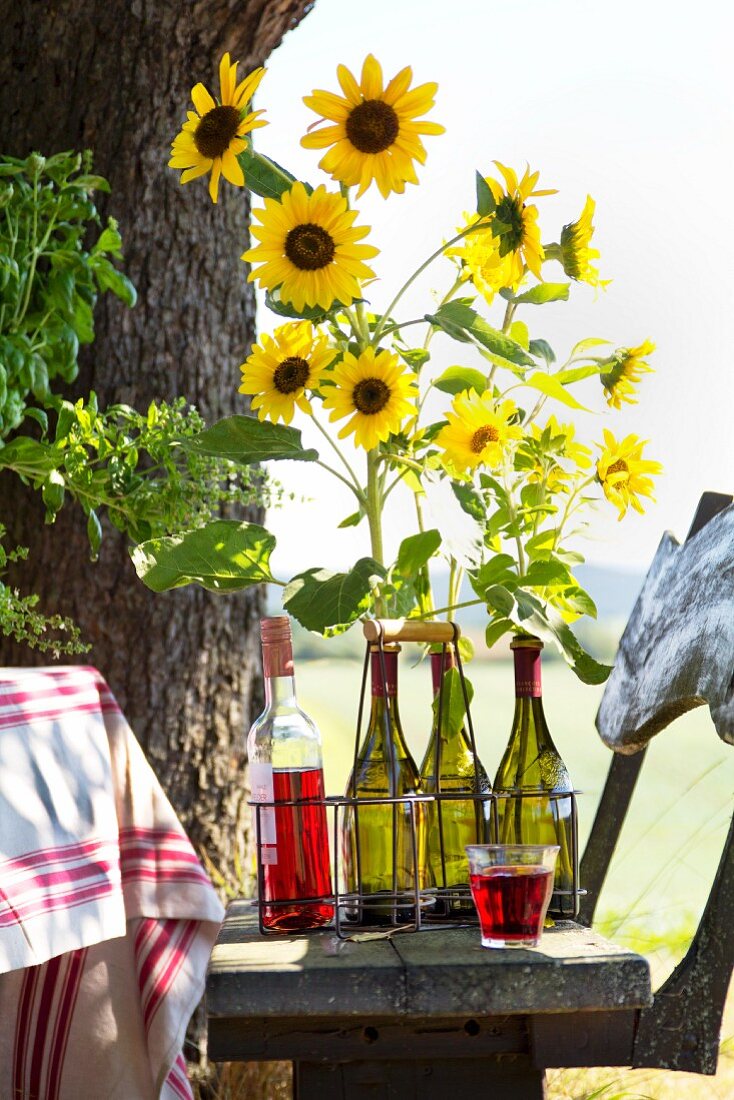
x: 440, y: 664
x: 384, y: 668
x: 528, y: 684
x: 280, y: 691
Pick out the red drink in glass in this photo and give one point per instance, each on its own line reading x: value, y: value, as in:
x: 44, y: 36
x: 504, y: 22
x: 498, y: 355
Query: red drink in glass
x: 512, y: 902
x: 295, y: 866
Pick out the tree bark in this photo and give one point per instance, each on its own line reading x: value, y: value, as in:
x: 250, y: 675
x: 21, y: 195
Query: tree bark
x: 115, y: 76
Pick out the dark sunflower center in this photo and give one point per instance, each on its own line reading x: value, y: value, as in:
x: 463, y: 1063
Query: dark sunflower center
x: 291, y: 374
x: 512, y: 231
x: 309, y: 246
x: 215, y: 131
x: 370, y: 396
x: 372, y: 126
x: 618, y: 467
x: 483, y: 436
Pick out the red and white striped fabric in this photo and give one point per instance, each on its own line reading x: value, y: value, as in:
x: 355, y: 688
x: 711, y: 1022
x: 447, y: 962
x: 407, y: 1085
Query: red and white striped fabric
x: 107, y: 918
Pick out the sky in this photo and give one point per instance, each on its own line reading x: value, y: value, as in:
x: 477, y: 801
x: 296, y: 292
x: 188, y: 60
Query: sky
x: 632, y: 103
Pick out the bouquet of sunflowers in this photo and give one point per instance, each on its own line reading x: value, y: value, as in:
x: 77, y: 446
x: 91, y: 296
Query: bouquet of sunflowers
x: 515, y: 467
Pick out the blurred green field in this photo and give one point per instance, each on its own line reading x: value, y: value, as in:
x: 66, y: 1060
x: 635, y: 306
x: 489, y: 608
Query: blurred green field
x: 680, y: 812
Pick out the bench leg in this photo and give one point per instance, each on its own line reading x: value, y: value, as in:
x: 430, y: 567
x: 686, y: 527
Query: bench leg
x: 509, y: 1079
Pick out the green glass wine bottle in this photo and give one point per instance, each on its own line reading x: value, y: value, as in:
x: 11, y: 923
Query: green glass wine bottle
x: 450, y: 766
x: 532, y: 765
x: 381, y: 850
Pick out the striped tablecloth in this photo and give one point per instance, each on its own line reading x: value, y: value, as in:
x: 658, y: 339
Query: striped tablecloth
x: 106, y: 916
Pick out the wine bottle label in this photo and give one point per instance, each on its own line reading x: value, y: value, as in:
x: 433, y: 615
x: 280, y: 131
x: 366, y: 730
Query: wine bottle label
x: 527, y: 673
x: 262, y: 790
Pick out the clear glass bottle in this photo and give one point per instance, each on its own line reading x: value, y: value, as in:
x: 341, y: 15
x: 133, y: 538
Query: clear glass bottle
x: 452, y: 823
x: 284, y: 755
x: 380, y: 847
x: 533, y: 765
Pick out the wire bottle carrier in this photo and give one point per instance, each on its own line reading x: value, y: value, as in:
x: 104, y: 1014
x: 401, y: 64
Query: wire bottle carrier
x: 411, y: 908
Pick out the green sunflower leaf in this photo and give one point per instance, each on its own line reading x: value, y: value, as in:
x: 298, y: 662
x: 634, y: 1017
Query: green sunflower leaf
x: 576, y: 374
x: 309, y: 313
x: 542, y: 293
x: 246, y: 439
x: 458, y: 316
x: 551, y: 387
x: 223, y: 556
x: 416, y: 550
x: 264, y: 176
x: 485, y: 198
x: 328, y: 603
x: 458, y: 379
x: 451, y: 699
x: 531, y: 614
x: 541, y: 348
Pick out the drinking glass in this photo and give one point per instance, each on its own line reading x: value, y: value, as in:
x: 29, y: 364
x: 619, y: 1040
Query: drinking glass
x: 511, y: 885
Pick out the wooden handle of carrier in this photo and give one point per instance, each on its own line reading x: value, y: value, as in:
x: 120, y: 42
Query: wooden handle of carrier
x: 410, y: 630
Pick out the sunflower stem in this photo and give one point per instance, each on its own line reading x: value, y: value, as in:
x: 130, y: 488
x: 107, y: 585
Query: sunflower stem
x: 419, y: 271
x: 354, y: 485
x: 374, y: 518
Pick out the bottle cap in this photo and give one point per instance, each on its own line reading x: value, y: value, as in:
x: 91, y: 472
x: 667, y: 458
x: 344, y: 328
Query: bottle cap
x: 526, y: 641
x: 275, y: 629
x: 388, y: 647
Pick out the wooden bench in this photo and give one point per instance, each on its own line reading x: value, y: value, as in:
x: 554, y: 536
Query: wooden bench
x: 420, y: 1014
x: 433, y: 1014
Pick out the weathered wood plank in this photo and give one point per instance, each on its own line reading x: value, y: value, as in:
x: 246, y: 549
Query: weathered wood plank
x: 572, y: 969
x: 254, y: 976
x: 677, y: 651
x: 346, y: 1038
x: 429, y: 974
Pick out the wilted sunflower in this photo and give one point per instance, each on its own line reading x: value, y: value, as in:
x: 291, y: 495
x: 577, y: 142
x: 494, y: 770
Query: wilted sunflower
x: 376, y: 391
x: 478, y: 431
x: 621, y: 372
x: 375, y: 131
x: 515, y: 224
x: 575, y: 252
x: 280, y: 369
x: 215, y: 132
x: 308, y: 248
x: 622, y: 472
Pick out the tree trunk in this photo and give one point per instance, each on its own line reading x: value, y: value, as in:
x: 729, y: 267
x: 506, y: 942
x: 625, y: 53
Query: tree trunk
x: 115, y: 76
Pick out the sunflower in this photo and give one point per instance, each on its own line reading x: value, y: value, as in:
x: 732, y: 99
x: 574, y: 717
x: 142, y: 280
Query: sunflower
x: 547, y: 445
x: 308, y: 248
x: 215, y: 132
x: 480, y: 258
x: 622, y: 472
x: 374, y: 132
x: 376, y: 391
x: 621, y: 372
x: 280, y: 369
x: 478, y: 431
x: 516, y: 225
x: 575, y: 253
